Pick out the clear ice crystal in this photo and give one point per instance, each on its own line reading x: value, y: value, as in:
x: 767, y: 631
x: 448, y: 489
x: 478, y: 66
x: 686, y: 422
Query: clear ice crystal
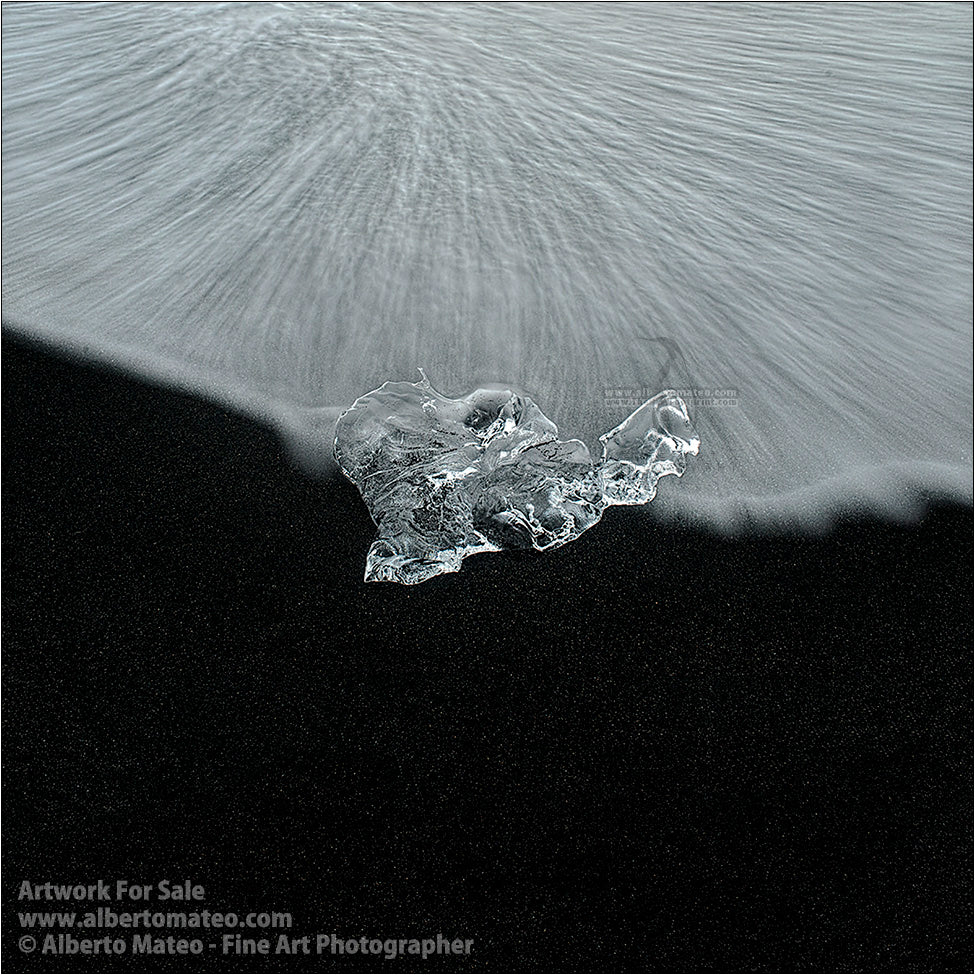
x: 447, y: 478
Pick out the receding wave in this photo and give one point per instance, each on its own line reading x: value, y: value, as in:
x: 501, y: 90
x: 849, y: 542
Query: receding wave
x: 767, y: 209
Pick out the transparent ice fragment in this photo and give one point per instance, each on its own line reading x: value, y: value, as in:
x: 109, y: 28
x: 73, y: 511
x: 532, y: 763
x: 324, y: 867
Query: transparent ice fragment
x: 446, y: 478
x: 653, y: 441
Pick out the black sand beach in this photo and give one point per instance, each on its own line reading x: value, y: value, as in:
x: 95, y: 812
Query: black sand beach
x: 653, y: 750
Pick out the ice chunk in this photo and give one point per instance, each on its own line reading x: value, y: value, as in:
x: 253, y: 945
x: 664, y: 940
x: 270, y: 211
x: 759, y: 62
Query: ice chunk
x: 447, y: 478
x: 651, y: 442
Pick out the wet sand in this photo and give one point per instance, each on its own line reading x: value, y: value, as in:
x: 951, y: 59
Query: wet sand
x: 656, y: 749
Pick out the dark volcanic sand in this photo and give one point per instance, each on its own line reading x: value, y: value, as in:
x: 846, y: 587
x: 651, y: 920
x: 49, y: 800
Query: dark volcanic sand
x: 654, y: 749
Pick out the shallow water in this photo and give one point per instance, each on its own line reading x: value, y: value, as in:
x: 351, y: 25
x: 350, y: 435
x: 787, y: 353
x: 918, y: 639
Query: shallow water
x: 767, y: 208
